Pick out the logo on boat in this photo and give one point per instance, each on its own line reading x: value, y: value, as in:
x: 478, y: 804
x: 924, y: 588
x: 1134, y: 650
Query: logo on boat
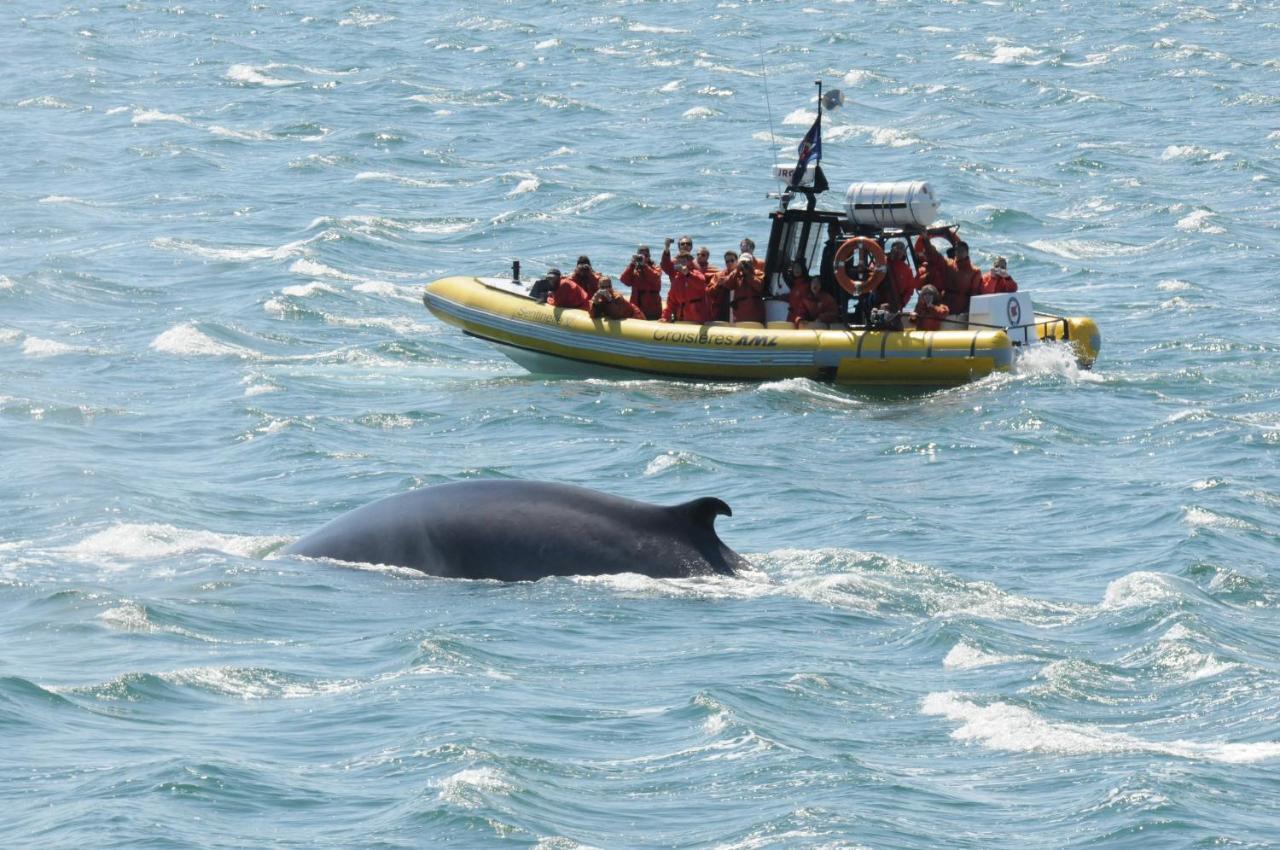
x: 1014, y: 309
x: 759, y: 341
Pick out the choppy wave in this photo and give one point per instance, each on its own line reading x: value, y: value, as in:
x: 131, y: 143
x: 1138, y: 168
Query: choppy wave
x: 1005, y: 726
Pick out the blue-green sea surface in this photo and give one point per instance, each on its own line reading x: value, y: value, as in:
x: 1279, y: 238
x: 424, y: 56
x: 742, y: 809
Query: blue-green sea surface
x: 1041, y: 610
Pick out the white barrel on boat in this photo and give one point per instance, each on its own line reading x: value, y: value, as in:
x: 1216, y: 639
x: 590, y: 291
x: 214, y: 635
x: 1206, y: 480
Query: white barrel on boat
x: 902, y: 204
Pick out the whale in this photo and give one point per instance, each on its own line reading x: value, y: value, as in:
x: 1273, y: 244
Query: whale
x: 510, y: 531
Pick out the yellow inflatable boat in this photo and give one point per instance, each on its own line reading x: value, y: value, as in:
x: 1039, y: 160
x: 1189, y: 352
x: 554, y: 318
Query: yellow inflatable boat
x: 551, y: 340
x: 847, y: 248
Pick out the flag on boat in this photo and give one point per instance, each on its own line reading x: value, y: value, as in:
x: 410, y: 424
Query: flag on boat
x: 810, y: 150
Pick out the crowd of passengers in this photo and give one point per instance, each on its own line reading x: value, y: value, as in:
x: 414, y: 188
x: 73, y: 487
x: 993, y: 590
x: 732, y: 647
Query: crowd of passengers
x: 700, y: 292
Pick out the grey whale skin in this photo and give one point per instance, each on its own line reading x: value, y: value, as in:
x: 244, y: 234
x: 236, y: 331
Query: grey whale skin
x: 524, y: 531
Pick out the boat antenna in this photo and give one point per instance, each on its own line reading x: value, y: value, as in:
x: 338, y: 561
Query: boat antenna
x: 773, y: 140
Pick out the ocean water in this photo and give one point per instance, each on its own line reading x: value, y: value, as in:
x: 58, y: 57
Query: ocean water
x: 1039, y: 610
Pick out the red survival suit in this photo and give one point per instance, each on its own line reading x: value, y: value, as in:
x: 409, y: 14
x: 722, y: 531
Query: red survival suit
x: 929, y: 318
x: 646, y: 288
x: 588, y: 279
x: 748, y: 295
x: 807, y: 307
x: 569, y: 295
x: 687, y: 299
x: 955, y: 280
x: 718, y: 297
x: 904, y: 282
x: 993, y: 284
x: 613, y: 305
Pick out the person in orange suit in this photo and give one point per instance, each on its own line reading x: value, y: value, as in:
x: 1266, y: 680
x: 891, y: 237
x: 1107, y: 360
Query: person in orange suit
x: 607, y: 304
x: 929, y: 313
x: 746, y: 285
x: 998, y: 280
x: 585, y: 276
x: 687, y: 299
x: 900, y: 274
x: 568, y: 295
x: 717, y: 293
x: 808, y: 302
x: 963, y: 281
x: 645, y: 280
x: 933, y: 269
x: 748, y: 246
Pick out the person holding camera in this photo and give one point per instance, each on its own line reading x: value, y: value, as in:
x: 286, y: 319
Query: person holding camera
x: 607, y: 304
x: 585, y: 276
x: 687, y: 298
x: 998, y: 279
x: 745, y: 283
x: 645, y: 280
x: 929, y: 312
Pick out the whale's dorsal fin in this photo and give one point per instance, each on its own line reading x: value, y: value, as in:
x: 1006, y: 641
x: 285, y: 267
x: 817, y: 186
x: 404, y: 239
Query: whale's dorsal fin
x: 703, y: 511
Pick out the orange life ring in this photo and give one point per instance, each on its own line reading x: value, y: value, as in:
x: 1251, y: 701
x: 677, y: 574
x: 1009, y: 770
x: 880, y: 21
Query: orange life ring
x: 845, y: 251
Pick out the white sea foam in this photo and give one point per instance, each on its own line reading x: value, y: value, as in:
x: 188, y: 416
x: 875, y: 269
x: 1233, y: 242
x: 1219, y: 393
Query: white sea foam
x: 1002, y: 726
x: 1199, y: 221
x: 1081, y: 249
x: 44, y: 102
x: 1202, y: 518
x: 306, y: 290
x: 151, y: 116
x: 859, y: 76
x: 249, y: 75
x: 698, y: 112
x: 187, y: 340
x: 1173, y: 286
x: 401, y: 325
x: 1141, y: 589
x: 382, y: 287
x: 800, y: 116
x: 464, y: 787
x: 311, y: 268
x: 889, y: 137
x: 256, y: 389
x: 441, y: 228
x: 129, y: 617
x: 150, y: 540
x: 256, y: 683
x: 360, y: 18
x: 401, y: 179
x: 669, y: 460
x: 65, y: 199
x: 1053, y: 359
x: 237, y: 255
x: 1007, y: 54
x: 1192, y: 152
x: 528, y: 183
x: 966, y: 656
x: 6, y: 282
x: 34, y: 346
x: 243, y: 135
x: 1176, y: 654
x: 637, y: 27
x: 881, y: 585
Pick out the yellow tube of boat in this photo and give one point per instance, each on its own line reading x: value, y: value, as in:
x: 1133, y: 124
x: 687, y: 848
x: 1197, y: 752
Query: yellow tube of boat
x: 500, y: 312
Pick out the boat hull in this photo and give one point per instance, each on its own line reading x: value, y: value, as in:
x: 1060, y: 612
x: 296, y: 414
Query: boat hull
x: 553, y: 340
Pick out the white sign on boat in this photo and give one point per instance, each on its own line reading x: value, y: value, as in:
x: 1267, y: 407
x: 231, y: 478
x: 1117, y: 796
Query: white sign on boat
x: 784, y: 173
